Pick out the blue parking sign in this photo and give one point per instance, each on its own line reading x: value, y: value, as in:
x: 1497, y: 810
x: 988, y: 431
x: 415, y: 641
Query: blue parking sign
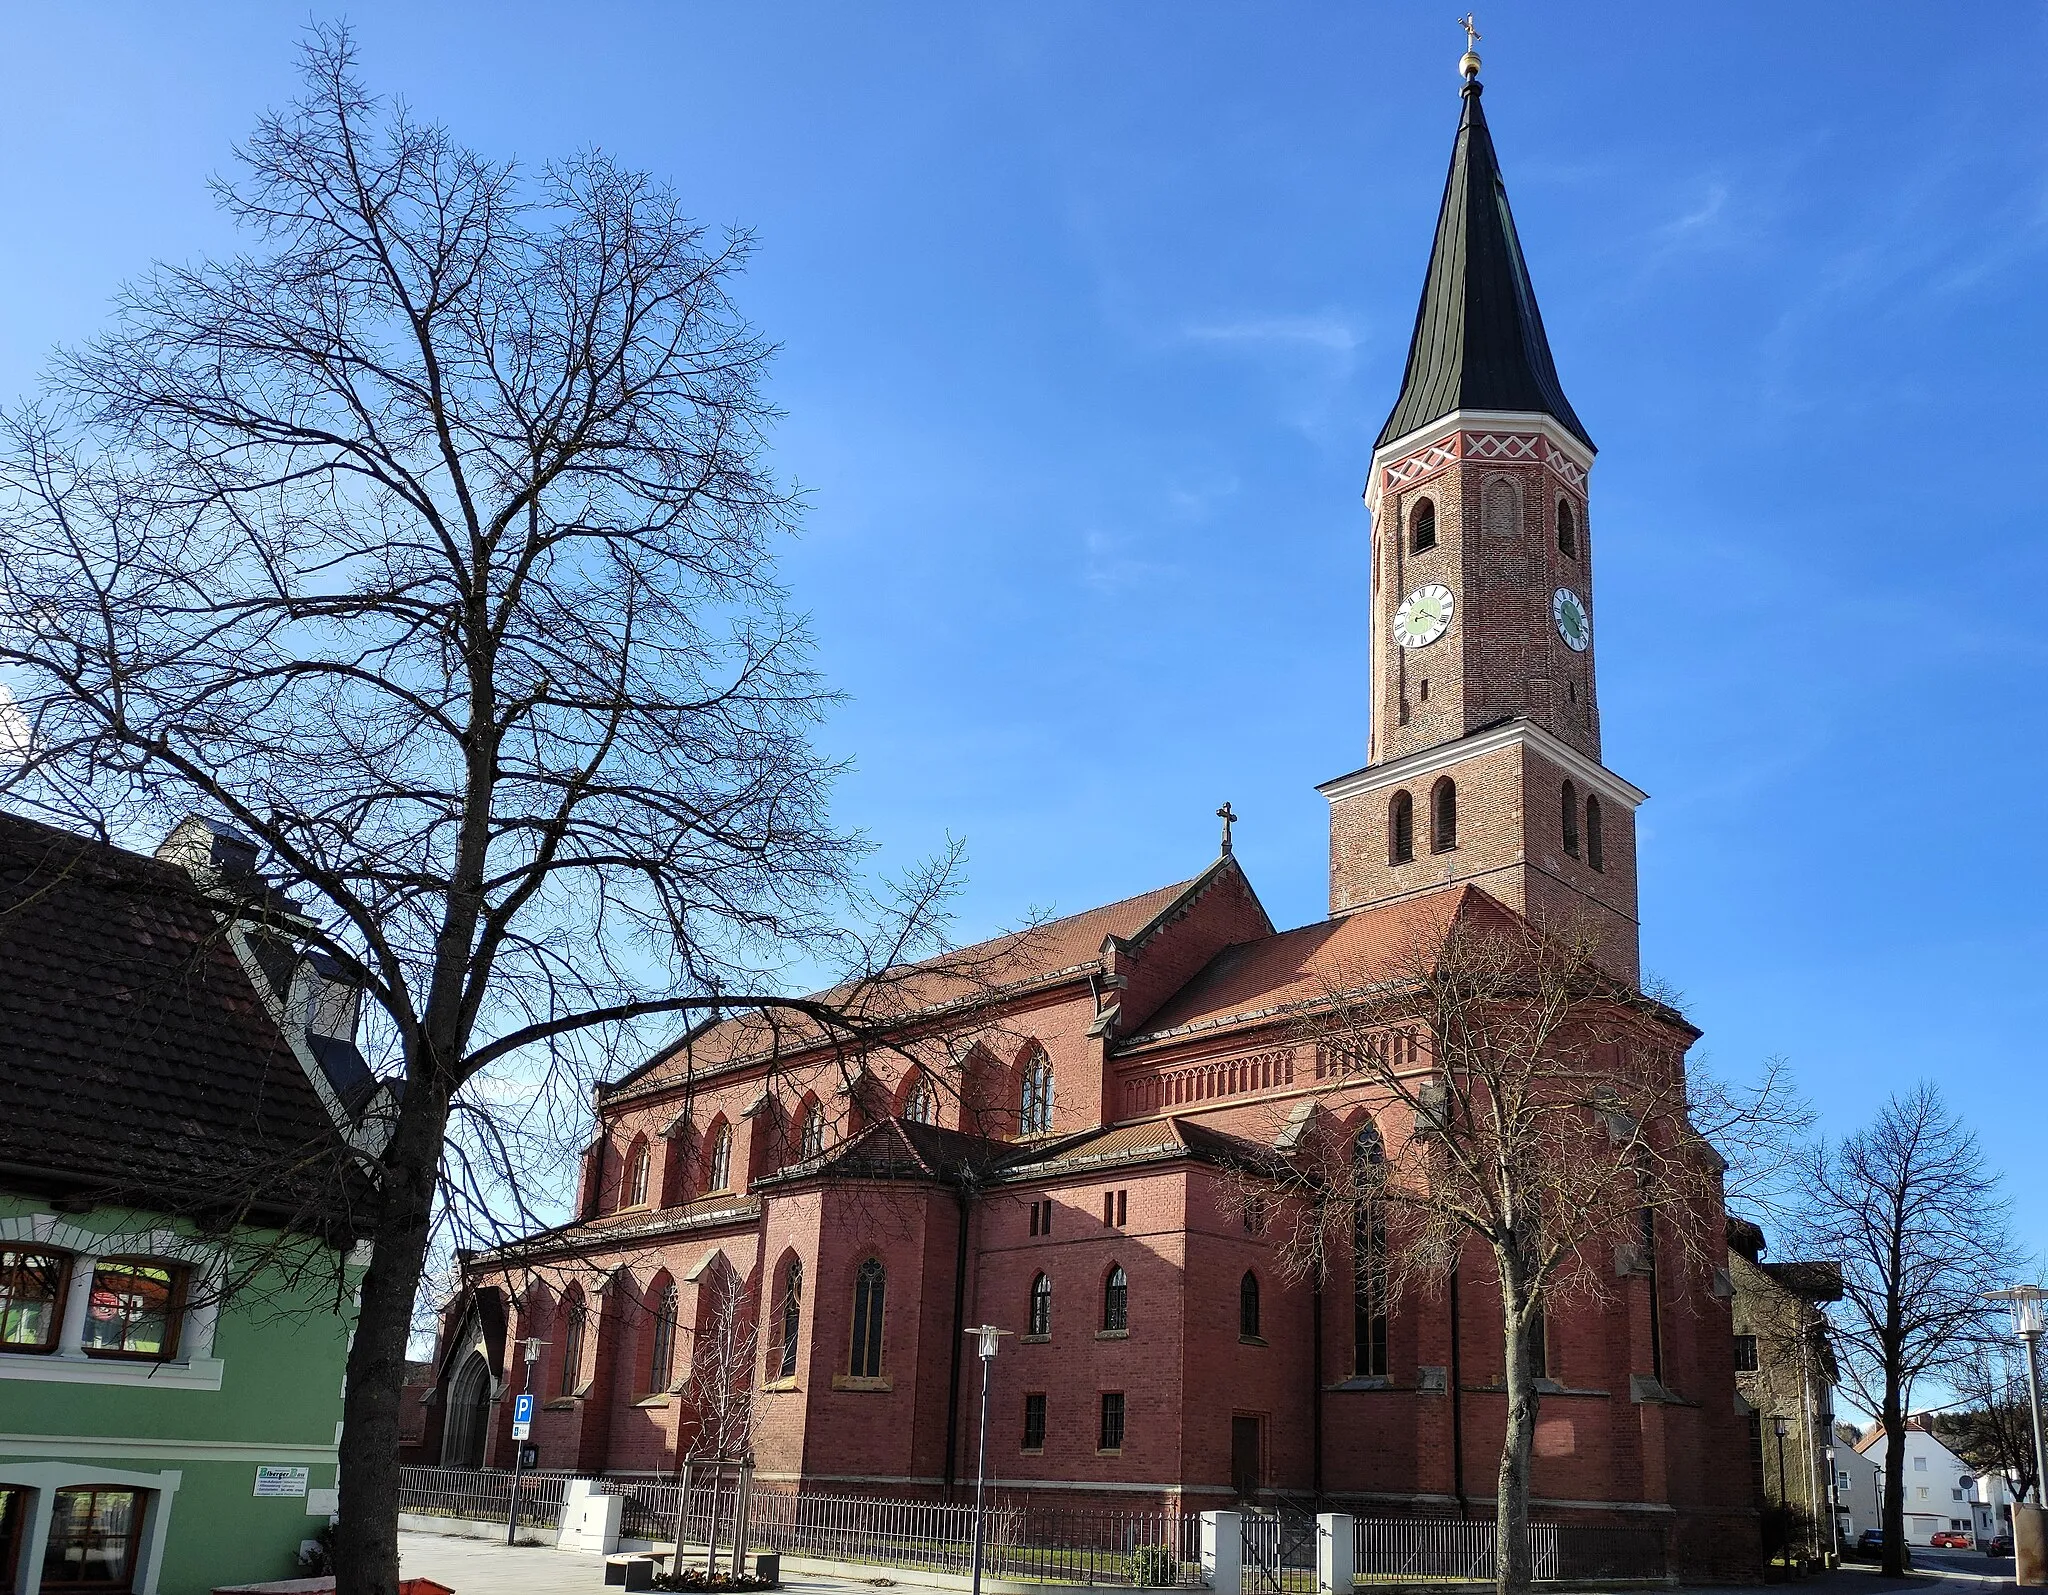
x: 522, y: 1409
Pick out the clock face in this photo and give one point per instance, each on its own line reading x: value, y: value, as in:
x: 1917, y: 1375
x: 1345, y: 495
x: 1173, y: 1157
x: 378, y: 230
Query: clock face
x: 1424, y: 616
x: 1574, y: 625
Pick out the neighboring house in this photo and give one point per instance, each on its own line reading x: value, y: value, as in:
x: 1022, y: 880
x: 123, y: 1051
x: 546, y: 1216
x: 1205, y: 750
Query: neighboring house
x: 1785, y: 1371
x: 1856, y: 1484
x: 1942, y: 1490
x: 174, y: 1288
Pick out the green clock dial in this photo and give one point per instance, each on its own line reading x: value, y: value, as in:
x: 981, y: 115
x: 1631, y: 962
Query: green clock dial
x: 1424, y: 616
x: 1574, y: 625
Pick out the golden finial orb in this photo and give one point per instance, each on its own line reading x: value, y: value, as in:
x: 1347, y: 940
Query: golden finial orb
x: 1469, y: 64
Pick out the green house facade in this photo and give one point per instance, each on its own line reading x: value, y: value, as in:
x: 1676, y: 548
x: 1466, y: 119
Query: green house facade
x: 176, y: 1117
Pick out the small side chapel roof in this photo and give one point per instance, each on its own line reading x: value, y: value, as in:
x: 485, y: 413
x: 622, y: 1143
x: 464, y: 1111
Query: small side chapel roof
x: 1479, y: 342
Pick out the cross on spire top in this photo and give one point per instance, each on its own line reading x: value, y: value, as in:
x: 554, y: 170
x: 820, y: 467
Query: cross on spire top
x: 1469, y: 65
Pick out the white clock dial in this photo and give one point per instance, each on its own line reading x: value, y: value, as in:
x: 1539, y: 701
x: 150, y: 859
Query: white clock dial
x: 1574, y: 625
x: 1424, y: 616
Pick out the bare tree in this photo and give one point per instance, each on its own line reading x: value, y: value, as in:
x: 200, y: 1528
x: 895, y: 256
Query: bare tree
x: 1915, y: 1219
x: 1525, y: 1105
x: 429, y: 543
x: 1993, y: 1429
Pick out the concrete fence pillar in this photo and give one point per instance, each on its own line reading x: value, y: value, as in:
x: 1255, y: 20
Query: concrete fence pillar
x: 590, y: 1519
x: 1223, y: 1552
x: 1335, y: 1533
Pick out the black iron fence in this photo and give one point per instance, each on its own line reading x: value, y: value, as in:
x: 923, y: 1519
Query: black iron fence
x: 482, y: 1495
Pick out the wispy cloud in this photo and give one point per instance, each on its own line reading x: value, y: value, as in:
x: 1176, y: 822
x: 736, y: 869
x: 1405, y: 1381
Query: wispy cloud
x: 1111, y: 567
x: 1329, y: 332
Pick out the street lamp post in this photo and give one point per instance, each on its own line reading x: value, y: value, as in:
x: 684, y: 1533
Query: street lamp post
x: 2029, y: 1304
x: 533, y: 1350
x: 1779, y: 1426
x: 989, y: 1335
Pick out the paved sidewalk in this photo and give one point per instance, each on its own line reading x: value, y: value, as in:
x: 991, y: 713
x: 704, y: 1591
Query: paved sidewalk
x: 485, y: 1567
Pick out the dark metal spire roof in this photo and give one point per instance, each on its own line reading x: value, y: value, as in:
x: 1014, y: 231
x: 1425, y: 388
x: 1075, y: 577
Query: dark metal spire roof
x: 1479, y: 342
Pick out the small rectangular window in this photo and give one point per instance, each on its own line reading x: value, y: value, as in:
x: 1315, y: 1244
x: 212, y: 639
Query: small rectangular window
x: 1745, y: 1354
x: 1034, y: 1218
x: 1045, y: 1217
x: 1919, y: 1464
x: 1123, y: 1210
x: 1034, y: 1420
x: 135, y: 1308
x: 1112, y: 1436
x: 1109, y: 1207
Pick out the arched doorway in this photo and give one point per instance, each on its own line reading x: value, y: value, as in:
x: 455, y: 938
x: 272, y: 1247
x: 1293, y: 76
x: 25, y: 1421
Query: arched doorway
x: 469, y: 1414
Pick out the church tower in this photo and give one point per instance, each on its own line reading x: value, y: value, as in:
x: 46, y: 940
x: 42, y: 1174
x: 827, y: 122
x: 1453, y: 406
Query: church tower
x: 1484, y: 756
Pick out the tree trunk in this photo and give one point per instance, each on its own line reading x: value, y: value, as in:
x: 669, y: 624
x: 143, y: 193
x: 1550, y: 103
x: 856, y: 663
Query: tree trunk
x: 1895, y: 1559
x: 366, y: 1541
x: 1513, y: 1568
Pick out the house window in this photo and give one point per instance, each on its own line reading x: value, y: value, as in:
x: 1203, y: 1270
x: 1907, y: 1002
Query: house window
x: 572, y: 1349
x: 92, y: 1540
x: 921, y: 1106
x: 1111, y: 1437
x: 719, y: 1164
x: 1368, y: 1257
x: 1594, y: 852
x: 1116, y: 1207
x: 1248, y: 1305
x: 1255, y: 1215
x: 1841, y: 1481
x: 1400, y: 829
x: 1919, y: 1464
x: 1567, y: 530
x: 1422, y: 527
x: 1116, y: 1300
x: 811, y: 1138
x: 1745, y: 1354
x: 1036, y: 1118
x: 1034, y: 1420
x: 636, y: 1175
x: 31, y: 1298
x: 1041, y: 1305
x: 868, y: 1287
x: 661, y: 1366
x: 792, y: 1318
x: 1041, y: 1217
x: 1443, y: 816
x: 1571, y: 819
x: 134, y: 1309
x: 13, y: 1508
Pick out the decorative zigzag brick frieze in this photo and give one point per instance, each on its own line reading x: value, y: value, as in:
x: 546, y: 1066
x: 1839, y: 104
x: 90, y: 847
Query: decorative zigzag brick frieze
x: 1508, y: 447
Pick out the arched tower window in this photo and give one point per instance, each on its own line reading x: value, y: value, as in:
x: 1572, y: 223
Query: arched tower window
x: 661, y: 1361
x: 1041, y: 1305
x: 636, y: 1174
x: 573, y: 1325
x: 1570, y: 815
x: 790, y: 1319
x: 921, y: 1106
x: 1248, y: 1305
x: 1400, y: 829
x: 1567, y: 529
x: 718, y: 1161
x: 810, y: 1135
x: 1443, y: 816
x: 1594, y: 853
x: 1368, y: 1255
x: 1036, y: 1117
x: 1422, y: 526
x: 868, y: 1287
x: 1116, y: 1299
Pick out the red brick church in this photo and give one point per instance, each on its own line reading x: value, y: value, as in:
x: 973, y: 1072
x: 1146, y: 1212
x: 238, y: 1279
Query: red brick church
x: 1067, y: 1177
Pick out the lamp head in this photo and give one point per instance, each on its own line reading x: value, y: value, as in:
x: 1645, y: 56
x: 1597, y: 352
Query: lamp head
x: 534, y: 1349
x: 1780, y: 1426
x: 2029, y: 1304
x: 989, y: 1335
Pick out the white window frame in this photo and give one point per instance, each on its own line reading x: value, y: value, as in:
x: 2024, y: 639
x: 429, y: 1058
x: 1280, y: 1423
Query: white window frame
x: 42, y: 1481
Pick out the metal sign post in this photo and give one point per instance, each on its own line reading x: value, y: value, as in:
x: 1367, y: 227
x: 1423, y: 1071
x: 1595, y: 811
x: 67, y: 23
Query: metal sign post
x: 989, y: 1336
x: 522, y: 1427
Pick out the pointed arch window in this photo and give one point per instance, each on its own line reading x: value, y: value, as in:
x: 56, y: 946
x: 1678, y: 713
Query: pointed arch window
x: 1571, y: 819
x: 1595, y: 853
x: 1443, y: 816
x: 1248, y: 1305
x: 661, y: 1363
x: 869, y: 1286
x: 1041, y: 1305
x: 1116, y: 1300
x: 1422, y: 527
x: 921, y: 1106
x: 573, y: 1324
x: 1368, y: 1255
x: 1401, y: 829
x: 1567, y: 530
x: 636, y: 1174
x: 1036, y: 1117
x: 790, y: 1318
x: 811, y: 1131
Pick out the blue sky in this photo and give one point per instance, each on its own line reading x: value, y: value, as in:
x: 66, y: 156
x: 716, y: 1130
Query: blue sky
x: 1090, y: 314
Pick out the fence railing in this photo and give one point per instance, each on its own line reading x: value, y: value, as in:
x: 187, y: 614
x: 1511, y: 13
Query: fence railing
x: 483, y: 1494
x: 1416, y: 1550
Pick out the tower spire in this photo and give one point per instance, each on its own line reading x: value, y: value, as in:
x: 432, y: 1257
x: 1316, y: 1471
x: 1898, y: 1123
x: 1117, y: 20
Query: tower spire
x: 1479, y: 342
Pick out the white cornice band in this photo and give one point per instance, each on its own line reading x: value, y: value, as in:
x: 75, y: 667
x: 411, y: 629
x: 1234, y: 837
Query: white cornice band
x: 1473, y: 421
x: 1515, y: 733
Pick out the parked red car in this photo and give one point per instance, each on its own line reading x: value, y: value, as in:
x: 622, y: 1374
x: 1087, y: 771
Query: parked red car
x: 1951, y: 1540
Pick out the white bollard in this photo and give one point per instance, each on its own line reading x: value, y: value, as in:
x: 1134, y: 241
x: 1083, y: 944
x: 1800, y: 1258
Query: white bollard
x: 1335, y: 1561
x: 1223, y: 1552
x: 590, y: 1520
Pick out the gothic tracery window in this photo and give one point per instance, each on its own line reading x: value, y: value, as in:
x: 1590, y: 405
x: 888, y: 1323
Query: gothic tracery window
x: 636, y: 1174
x: 572, y: 1346
x: 661, y: 1362
x: 868, y: 1287
x: 921, y: 1106
x: 718, y: 1164
x: 792, y: 1318
x: 1036, y: 1117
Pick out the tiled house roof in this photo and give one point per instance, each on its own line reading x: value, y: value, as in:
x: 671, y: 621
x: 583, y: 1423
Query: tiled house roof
x: 137, y: 1063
